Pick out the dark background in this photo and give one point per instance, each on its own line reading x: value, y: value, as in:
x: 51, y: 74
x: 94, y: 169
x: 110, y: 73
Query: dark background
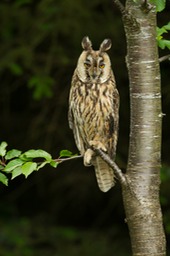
x: 61, y: 211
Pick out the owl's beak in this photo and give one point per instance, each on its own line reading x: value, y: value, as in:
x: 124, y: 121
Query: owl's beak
x: 94, y: 75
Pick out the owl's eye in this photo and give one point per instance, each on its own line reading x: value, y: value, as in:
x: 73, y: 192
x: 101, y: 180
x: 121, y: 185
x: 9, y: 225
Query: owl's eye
x: 102, y: 66
x: 87, y: 64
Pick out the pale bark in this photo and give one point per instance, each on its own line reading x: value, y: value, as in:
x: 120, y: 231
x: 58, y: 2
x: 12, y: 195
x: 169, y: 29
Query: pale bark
x: 142, y: 204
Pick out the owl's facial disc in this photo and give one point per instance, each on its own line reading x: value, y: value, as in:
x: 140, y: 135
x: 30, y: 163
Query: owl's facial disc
x: 94, y: 67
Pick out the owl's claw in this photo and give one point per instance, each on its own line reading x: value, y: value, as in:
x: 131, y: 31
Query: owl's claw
x: 97, y: 144
x: 88, y: 157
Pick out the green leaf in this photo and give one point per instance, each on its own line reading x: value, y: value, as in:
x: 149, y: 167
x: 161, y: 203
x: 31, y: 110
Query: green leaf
x: 65, y: 153
x: 28, y: 168
x: 32, y: 153
x: 3, y: 179
x: 13, y: 164
x: 161, y: 44
x: 160, y: 31
x: 1, y: 167
x: 167, y: 43
x: 164, y: 43
x: 167, y: 27
x: 16, y: 172
x: 54, y: 163
x: 12, y: 154
x: 24, y: 158
x: 3, y: 146
x: 160, y: 4
x: 42, y: 165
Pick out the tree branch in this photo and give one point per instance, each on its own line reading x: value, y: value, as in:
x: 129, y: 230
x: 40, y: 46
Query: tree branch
x: 163, y: 58
x: 61, y: 160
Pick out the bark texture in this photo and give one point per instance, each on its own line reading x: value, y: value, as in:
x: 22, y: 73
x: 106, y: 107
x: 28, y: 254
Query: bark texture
x: 141, y: 197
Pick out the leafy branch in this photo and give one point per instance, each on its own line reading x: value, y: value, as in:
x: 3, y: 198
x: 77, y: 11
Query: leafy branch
x: 16, y: 163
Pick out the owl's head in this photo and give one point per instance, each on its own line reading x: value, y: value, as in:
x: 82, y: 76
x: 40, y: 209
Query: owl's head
x: 94, y: 66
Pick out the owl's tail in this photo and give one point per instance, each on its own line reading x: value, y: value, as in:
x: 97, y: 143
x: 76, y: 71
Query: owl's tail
x: 104, y: 174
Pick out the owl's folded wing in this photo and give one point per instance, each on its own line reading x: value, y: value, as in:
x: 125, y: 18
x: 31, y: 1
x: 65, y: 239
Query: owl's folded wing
x: 75, y: 127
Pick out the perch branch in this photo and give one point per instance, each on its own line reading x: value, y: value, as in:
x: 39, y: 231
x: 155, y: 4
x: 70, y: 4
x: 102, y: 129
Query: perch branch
x: 61, y: 160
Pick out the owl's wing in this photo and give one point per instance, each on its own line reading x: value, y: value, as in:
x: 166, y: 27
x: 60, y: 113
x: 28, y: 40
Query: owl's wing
x: 113, y: 126
x: 75, y: 127
x: 70, y: 118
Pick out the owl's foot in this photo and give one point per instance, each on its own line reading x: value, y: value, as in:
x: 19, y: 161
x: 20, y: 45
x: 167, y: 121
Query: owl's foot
x: 88, y: 157
x: 97, y: 144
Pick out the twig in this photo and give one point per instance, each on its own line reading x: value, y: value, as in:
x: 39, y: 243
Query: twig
x: 60, y: 160
x: 121, y: 177
x: 163, y: 58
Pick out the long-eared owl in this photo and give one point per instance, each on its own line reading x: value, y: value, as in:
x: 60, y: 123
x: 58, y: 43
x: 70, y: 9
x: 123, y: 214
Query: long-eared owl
x: 94, y: 109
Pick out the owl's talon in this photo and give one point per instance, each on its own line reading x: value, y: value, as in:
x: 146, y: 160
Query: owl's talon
x: 97, y: 144
x: 88, y: 157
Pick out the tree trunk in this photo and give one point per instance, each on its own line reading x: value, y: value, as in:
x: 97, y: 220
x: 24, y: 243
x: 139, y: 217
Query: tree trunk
x: 141, y: 197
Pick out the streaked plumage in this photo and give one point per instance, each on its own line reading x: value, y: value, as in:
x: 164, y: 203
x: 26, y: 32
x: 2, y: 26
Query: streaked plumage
x: 93, y: 109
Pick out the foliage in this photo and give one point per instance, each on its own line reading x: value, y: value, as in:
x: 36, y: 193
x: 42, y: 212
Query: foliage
x: 15, y: 162
x: 162, y: 43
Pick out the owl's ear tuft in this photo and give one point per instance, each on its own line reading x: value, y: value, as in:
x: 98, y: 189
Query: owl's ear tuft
x: 105, y: 45
x: 86, y: 44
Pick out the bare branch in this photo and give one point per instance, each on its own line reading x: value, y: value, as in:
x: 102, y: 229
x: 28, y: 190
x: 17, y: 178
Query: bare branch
x: 61, y: 160
x: 163, y: 58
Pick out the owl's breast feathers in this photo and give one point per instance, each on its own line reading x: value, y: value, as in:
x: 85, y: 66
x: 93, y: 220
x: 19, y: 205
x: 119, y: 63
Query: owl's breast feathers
x: 93, y: 113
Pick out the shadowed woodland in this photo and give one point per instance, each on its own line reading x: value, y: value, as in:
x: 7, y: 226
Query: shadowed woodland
x: 61, y: 211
